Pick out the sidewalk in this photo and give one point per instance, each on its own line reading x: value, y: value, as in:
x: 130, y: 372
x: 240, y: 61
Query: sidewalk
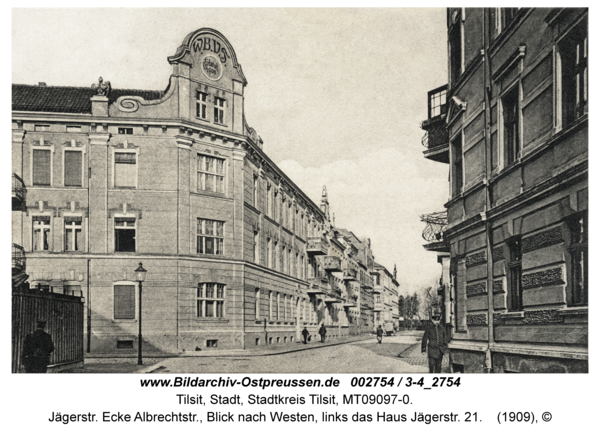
x: 152, y: 361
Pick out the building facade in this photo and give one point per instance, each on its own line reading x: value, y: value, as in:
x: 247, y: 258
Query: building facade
x: 512, y: 125
x: 237, y: 255
x: 385, y: 298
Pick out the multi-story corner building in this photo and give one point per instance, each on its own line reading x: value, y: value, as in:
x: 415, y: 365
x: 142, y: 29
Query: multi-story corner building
x: 512, y: 125
x: 236, y: 254
x: 385, y: 298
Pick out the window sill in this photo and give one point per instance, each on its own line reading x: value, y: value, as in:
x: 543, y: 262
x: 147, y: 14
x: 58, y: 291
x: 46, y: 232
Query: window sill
x: 124, y: 320
x: 211, y: 320
x: 124, y: 187
x: 210, y: 193
x: 221, y: 124
x: 573, y: 311
x: 513, y: 315
x: 203, y: 119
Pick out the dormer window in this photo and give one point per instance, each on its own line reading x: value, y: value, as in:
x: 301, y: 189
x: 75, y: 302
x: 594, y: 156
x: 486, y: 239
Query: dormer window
x: 219, y: 109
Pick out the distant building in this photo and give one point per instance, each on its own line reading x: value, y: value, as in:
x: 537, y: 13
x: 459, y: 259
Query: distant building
x: 512, y: 125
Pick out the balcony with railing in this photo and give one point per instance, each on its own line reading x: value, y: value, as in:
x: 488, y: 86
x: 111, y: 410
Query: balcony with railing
x: 318, y: 283
x: 332, y: 264
x: 378, y: 306
x: 434, y: 231
x: 18, y: 259
x: 19, y: 191
x: 436, y: 135
x: 317, y: 246
x: 350, y: 274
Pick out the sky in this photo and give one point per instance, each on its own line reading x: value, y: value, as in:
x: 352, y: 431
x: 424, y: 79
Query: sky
x: 337, y: 95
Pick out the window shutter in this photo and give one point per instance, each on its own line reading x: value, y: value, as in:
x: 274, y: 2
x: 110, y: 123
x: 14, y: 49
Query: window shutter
x: 41, y: 167
x: 73, y: 168
x: 124, y: 302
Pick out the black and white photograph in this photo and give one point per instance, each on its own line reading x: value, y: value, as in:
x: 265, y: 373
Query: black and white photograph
x: 392, y: 198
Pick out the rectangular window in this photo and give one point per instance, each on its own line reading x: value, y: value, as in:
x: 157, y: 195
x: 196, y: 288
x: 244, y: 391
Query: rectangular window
x: 41, y: 233
x: 275, y: 213
x: 73, y: 234
x: 41, y: 167
x: 73, y: 128
x: 573, y: 51
x: 256, y: 255
x: 437, y: 102
x: 271, y: 307
x: 201, y: 105
x: 255, y: 192
x: 219, y: 110
x: 211, y: 297
x: 125, y: 235
x: 125, y: 170
x: 282, y: 259
x: 73, y: 169
x: 457, y: 165
x: 515, y: 288
x: 257, y: 303
x: 211, y: 174
x: 278, y: 306
x: 510, y: 112
x: 125, y: 131
x: 269, y: 253
x: 275, y: 256
x: 456, y: 48
x: 578, y: 279
x: 269, y: 201
x: 124, y: 299
x: 41, y: 128
x: 210, y: 237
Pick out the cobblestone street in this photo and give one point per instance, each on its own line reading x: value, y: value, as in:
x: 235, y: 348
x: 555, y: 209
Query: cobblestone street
x: 398, y: 354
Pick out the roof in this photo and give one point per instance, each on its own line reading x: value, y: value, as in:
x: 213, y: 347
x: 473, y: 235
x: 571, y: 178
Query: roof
x: 65, y: 99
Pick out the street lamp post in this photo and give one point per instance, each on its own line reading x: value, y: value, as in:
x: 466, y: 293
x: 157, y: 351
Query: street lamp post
x: 140, y: 276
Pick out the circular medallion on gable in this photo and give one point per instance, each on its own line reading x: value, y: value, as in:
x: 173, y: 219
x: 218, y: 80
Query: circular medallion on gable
x: 211, y: 67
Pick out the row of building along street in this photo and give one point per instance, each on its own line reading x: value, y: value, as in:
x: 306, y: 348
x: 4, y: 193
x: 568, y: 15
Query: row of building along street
x: 155, y: 220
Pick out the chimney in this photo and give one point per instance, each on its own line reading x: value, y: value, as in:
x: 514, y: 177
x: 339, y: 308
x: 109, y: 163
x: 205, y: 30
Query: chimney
x: 41, y: 84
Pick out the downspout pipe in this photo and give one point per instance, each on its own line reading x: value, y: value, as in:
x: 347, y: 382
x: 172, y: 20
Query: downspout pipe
x: 488, y: 203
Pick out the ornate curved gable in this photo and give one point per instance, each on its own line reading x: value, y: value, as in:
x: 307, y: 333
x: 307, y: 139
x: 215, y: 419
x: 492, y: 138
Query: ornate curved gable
x: 210, y: 56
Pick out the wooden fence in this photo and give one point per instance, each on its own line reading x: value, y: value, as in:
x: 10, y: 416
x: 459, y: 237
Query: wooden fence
x: 64, y: 317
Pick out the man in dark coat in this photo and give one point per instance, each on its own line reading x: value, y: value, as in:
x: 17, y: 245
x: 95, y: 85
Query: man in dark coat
x: 435, y: 342
x: 305, y: 334
x: 37, y: 349
x: 379, y: 334
x: 322, y: 332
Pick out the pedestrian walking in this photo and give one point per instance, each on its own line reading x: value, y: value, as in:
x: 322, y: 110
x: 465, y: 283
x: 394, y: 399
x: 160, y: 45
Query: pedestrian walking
x: 305, y: 334
x: 435, y: 342
x: 379, y: 334
x: 322, y: 333
x: 37, y: 349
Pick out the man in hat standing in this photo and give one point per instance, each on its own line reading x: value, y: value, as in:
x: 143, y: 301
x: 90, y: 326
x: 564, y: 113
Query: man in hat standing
x: 37, y: 349
x: 435, y: 342
x: 305, y: 334
x: 379, y: 334
x: 322, y: 332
